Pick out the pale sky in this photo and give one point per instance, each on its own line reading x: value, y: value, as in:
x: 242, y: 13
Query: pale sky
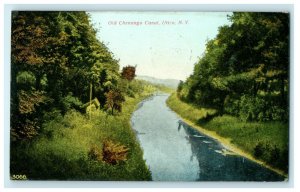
x: 167, y: 51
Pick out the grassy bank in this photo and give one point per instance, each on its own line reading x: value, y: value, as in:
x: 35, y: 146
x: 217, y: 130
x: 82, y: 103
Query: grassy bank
x: 61, y: 152
x: 263, y: 142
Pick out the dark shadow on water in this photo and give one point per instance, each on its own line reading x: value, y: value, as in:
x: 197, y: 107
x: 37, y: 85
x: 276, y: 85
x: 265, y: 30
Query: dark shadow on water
x: 219, y: 164
x: 174, y: 151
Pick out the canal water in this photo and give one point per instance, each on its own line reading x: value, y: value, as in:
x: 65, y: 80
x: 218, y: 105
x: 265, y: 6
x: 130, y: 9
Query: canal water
x: 176, y: 152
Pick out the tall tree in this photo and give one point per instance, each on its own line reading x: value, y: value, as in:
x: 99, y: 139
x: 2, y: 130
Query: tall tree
x: 246, y: 63
x: 58, y: 55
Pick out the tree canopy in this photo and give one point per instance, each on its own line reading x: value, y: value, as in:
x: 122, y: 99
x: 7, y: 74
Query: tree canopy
x: 244, y: 70
x: 55, y: 56
x: 128, y: 72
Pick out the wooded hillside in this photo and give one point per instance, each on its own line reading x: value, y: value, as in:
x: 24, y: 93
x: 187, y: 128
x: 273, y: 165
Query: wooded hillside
x: 55, y: 59
x: 244, y: 70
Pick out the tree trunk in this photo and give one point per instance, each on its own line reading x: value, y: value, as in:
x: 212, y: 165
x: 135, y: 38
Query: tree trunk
x: 38, y: 78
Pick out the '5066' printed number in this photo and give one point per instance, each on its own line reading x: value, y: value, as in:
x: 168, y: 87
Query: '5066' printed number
x: 19, y: 177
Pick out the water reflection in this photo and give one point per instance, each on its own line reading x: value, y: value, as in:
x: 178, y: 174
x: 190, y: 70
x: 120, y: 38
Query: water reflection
x: 176, y: 152
x: 220, y: 164
x: 166, y: 151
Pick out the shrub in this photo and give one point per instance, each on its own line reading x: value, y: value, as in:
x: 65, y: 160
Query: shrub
x: 53, y: 114
x: 231, y: 105
x: 250, y: 107
x: 259, y: 150
x: 114, y: 153
x: 130, y: 93
x: 256, y: 108
x: 70, y: 102
x: 272, y: 154
x: 26, y: 78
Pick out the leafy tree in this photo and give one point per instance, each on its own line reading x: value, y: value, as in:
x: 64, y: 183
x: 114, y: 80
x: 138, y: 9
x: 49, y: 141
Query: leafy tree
x: 114, y: 100
x: 246, y: 62
x: 128, y: 72
x: 29, y: 37
x: 55, y: 56
x: 179, y: 87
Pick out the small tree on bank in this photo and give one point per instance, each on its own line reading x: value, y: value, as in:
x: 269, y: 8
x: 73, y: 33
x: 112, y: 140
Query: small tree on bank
x: 114, y: 100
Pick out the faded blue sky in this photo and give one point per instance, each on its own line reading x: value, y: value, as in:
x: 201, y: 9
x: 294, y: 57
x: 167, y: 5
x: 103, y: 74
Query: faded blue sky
x: 162, y: 51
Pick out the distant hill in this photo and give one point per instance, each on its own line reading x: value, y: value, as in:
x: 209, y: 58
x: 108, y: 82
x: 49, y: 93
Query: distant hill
x: 172, y: 83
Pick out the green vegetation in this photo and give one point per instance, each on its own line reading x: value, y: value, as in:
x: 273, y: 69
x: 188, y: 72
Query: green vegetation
x: 244, y: 70
x: 188, y: 110
x: 72, y: 147
x: 239, y: 87
x: 70, y: 103
x: 267, y: 141
x: 56, y: 63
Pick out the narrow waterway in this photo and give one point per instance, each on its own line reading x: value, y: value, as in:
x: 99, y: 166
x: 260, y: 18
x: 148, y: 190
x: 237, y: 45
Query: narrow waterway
x: 176, y: 152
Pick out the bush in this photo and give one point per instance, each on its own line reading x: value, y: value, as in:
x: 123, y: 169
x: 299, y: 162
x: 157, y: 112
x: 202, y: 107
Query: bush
x: 277, y: 113
x: 70, y: 102
x: 231, y: 105
x: 272, y: 154
x: 259, y: 150
x: 70, y: 147
x: 251, y: 107
x: 130, y: 93
x: 256, y: 108
x: 53, y: 114
x: 26, y: 78
x: 114, y: 153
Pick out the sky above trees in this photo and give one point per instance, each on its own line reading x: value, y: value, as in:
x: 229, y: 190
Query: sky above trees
x: 156, y: 42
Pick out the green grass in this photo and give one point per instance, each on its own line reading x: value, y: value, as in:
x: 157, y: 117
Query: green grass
x: 267, y: 141
x: 61, y: 150
x: 187, y: 110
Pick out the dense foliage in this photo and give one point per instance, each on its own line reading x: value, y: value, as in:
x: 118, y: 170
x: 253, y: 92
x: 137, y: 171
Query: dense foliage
x: 60, y: 71
x: 55, y: 57
x: 244, y: 70
x: 74, y: 146
x: 243, y: 75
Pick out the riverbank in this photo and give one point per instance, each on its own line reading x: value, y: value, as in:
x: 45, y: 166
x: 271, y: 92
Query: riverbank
x: 64, y: 148
x: 244, y: 139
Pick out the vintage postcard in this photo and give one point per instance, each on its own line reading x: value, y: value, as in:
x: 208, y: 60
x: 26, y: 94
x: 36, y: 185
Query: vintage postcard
x: 149, y: 96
